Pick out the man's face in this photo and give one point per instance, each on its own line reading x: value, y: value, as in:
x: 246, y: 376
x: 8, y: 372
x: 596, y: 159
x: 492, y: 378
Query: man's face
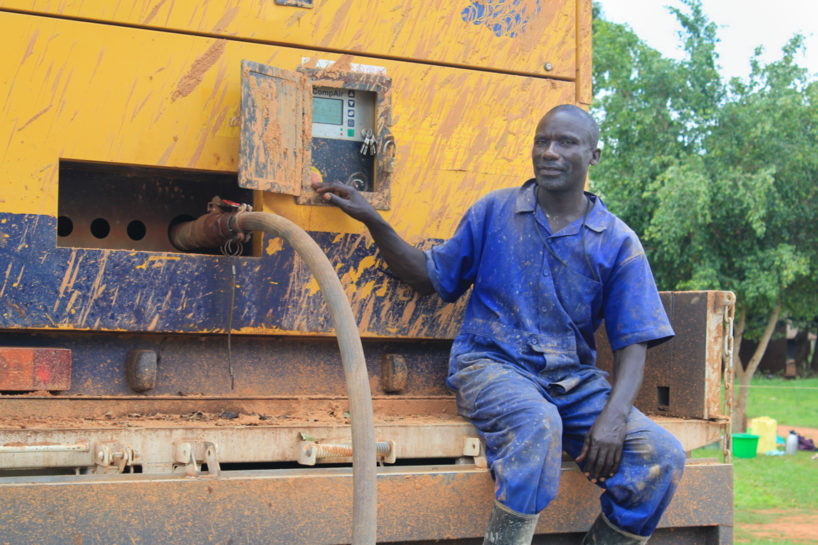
x: 563, y: 150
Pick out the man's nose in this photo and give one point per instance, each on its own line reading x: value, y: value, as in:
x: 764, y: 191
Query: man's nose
x: 549, y: 150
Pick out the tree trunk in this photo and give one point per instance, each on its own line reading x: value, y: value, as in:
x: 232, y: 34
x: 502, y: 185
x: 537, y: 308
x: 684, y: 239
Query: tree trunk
x: 743, y: 375
x: 814, y: 364
x: 801, y: 351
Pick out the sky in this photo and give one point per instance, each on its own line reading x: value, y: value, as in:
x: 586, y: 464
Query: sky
x: 742, y: 26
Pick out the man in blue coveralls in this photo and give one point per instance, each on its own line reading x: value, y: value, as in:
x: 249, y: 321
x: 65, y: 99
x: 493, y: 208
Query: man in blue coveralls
x: 547, y: 262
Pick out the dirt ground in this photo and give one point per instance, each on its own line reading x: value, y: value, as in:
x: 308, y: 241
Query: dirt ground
x: 796, y: 527
x: 809, y: 433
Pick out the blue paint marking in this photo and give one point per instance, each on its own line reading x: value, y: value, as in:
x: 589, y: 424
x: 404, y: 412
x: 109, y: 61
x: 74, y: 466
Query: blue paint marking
x: 502, y: 17
x: 43, y: 286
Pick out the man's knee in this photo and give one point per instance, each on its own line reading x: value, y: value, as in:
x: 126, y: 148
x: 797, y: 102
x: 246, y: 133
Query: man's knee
x: 670, y: 455
x: 665, y: 460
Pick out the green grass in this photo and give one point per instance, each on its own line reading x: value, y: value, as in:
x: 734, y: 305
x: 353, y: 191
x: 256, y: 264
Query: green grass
x: 790, y: 402
x: 775, y: 482
x: 768, y: 488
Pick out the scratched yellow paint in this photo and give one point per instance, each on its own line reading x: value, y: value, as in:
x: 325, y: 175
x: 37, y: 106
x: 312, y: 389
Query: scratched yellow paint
x: 274, y: 245
x: 95, y: 92
x: 420, y: 30
x: 156, y: 261
x: 353, y: 275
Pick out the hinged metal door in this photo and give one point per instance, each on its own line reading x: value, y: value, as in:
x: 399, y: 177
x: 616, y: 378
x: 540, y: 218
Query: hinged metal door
x: 275, y: 129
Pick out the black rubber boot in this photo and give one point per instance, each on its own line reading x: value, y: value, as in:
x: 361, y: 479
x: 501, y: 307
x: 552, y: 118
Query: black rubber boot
x: 603, y: 532
x: 508, y: 527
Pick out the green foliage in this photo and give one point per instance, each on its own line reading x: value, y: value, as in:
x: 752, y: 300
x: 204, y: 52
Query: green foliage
x: 718, y: 178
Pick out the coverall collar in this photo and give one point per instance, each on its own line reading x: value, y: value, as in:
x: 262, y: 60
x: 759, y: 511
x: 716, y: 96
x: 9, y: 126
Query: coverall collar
x: 595, y: 220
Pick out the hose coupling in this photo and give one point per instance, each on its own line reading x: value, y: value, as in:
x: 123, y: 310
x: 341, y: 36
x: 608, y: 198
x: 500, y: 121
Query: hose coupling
x: 217, y: 229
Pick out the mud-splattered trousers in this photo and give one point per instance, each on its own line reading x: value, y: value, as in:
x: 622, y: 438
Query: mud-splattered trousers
x: 524, y: 363
x: 526, y: 423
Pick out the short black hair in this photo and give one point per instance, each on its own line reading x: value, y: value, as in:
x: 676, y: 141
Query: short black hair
x: 589, y: 121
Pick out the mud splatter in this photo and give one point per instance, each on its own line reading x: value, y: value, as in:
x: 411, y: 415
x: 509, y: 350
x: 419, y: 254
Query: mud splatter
x: 153, y: 12
x: 226, y: 19
x: 30, y: 48
x: 37, y: 115
x: 198, y: 69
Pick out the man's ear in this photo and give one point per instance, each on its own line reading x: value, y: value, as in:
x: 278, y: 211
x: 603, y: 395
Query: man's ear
x: 595, y: 156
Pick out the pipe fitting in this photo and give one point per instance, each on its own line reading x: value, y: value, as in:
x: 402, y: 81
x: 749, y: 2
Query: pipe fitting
x: 219, y: 226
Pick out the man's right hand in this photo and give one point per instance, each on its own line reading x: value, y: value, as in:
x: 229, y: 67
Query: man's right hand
x: 348, y: 199
x: 406, y: 262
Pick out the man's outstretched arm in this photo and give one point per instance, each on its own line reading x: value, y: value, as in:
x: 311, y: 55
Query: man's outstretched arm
x: 602, y: 450
x: 404, y: 260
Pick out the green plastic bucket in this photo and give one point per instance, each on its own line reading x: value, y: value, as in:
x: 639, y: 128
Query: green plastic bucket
x: 745, y: 445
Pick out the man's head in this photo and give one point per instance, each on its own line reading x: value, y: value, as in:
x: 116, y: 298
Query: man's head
x: 565, y: 145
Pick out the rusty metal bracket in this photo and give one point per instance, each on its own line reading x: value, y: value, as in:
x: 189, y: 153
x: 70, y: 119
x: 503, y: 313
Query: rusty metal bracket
x: 473, y: 447
x: 727, y: 357
x: 111, y: 454
x: 190, y: 452
x: 311, y: 452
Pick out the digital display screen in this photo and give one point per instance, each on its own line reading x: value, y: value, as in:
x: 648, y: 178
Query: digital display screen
x: 327, y: 110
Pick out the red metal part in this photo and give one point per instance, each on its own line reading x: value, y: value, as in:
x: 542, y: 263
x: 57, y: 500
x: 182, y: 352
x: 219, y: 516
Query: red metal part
x: 29, y: 369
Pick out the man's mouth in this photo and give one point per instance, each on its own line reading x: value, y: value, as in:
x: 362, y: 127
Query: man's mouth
x: 549, y: 169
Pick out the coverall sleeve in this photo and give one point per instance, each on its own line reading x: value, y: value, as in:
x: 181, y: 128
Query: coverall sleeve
x: 452, y: 266
x: 633, y: 310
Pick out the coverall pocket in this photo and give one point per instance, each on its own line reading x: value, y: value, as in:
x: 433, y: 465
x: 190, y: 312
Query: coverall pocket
x: 471, y: 379
x: 580, y: 296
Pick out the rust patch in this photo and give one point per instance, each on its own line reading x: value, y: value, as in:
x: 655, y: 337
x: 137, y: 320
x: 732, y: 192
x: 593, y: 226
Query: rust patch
x: 198, y: 69
x: 40, y: 409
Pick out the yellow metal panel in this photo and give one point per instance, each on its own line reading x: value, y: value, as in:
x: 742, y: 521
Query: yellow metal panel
x: 103, y: 93
x: 584, y: 48
x: 487, y: 34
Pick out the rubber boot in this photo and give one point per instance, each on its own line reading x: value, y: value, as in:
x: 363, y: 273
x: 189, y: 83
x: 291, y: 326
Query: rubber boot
x: 603, y: 532
x: 508, y: 527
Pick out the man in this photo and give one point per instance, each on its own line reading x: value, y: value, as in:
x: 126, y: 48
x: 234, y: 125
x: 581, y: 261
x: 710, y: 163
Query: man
x: 547, y: 263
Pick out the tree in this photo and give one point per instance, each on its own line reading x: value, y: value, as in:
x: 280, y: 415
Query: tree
x: 719, y: 178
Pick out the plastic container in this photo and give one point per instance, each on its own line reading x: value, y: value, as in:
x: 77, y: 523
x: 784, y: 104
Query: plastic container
x: 745, y: 445
x: 766, y: 428
x: 792, y: 443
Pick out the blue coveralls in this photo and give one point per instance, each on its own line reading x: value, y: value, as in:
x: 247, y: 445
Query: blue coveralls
x: 524, y: 363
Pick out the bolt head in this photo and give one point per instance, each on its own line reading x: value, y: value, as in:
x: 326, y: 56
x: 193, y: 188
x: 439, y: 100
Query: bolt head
x: 548, y: 66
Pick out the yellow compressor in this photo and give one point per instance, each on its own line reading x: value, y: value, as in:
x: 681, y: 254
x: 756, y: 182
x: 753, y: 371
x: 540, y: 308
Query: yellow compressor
x: 152, y: 392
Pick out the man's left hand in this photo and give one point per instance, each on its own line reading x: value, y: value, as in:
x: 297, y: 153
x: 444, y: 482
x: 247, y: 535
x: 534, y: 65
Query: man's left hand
x: 602, y: 449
